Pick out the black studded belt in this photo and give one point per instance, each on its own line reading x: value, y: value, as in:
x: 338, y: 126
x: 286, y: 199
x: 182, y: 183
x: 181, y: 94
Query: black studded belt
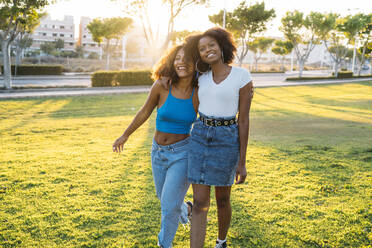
x: 217, y: 122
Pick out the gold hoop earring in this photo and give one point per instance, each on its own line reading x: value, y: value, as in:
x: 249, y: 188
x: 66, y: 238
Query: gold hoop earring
x: 197, y: 69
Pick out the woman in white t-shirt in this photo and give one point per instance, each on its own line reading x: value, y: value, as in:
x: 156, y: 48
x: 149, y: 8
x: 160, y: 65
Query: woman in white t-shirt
x: 218, y: 141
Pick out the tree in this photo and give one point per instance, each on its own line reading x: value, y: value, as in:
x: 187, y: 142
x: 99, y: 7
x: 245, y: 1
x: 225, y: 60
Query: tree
x: 79, y: 50
x: 22, y: 42
x: 259, y: 46
x: 15, y: 17
x: 352, y: 27
x: 338, y: 33
x: 365, y: 39
x: 179, y: 36
x: 59, y: 44
x: 369, y: 55
x: 301, y: 32
x: 139, y: 9
x: 282, y: 48
x: 108, y: 30
x: 329, y: 30
x: 245, y: 22
x: 24, y: 39
x: 47, y: 47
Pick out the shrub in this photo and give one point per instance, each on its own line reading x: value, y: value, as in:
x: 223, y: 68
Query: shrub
x: 93, y: 55
x: 121, y: 78
x: 79, y: 69
x: 345, y: 74
x: 36, y: 69
x: 323, y: 78
x: 104, y: 78
x: 66, y: 69
x: 134, y: 77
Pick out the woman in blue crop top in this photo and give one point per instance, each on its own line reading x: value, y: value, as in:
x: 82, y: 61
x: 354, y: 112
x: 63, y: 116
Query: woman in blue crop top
x: 176, y: 111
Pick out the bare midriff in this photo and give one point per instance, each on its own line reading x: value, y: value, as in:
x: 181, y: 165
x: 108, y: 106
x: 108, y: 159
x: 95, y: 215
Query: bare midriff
x: 165, y: 139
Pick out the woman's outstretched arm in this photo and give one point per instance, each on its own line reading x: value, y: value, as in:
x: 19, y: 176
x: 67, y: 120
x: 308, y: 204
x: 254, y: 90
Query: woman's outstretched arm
x: 142, y: 115
x: 245, y: 99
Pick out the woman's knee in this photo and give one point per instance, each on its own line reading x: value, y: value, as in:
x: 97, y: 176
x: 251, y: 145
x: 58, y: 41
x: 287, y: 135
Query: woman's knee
x: 170, y: 206
x: 201, y: 205
x: 223, y: 201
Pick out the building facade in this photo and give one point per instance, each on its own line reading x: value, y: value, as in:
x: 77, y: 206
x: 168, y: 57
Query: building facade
x: 85, y: 37
x: 51, y: 30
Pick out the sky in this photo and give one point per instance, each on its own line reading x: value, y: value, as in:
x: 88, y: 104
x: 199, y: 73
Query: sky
x: 196, y: 17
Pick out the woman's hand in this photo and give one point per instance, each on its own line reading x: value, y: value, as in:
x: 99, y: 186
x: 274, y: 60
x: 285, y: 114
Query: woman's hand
x: 241, y: 173
x: 118, y: 145
x: 165, y: 82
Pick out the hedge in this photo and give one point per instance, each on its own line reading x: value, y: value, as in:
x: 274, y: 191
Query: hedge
x: 121, y: 78
x: 344, y: 74
x: 267, y: 71
x: 36, y: 69
x: 340, y: 75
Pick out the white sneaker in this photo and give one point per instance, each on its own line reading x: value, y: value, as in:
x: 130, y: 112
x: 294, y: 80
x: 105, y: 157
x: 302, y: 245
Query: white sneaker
x: 221, y: 245
x: 162, y: 246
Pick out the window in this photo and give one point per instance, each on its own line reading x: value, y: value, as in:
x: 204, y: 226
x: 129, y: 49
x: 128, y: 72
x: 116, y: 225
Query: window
x: 92, y: 45
x: 61, y: 35
x: 45, y: 26
x: 54, y: 35
x: 84, y: 36
x: 71, y: 44
x: 62, y: 27
x: 53, y: 26
x: 44, y: 34
x: 84, y: 44
x: 71, y: 35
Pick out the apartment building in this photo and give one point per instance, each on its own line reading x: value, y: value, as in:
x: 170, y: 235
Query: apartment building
x: 50, y: 30
x: 85, y: 37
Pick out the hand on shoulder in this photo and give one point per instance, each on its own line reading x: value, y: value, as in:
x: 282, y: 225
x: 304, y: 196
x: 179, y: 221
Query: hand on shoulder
x: 163, y: 82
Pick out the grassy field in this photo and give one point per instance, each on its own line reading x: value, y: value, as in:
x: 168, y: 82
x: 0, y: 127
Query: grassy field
x: 309, y: 172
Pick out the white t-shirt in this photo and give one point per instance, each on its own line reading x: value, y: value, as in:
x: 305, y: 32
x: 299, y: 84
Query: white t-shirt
x: 222, y: 100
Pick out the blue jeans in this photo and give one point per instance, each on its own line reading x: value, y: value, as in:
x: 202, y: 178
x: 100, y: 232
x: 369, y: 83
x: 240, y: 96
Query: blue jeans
x: 169, y: 168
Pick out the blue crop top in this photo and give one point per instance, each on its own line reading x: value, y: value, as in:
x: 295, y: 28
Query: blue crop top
x: 176, y: 115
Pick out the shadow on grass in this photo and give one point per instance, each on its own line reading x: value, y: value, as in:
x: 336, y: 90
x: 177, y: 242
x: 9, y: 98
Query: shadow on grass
x: 132, y: 217
x: 289, y: 201
x: 302, y: 104
x: 358, y: 106
x: 100, y: 106
x: 22, y: 115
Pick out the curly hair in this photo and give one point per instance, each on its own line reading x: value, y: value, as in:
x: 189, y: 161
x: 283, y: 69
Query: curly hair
x: 224, y: 40
x: 165, y: 66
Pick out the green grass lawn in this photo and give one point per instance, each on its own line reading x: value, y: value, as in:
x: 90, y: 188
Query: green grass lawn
x: 309, y: 172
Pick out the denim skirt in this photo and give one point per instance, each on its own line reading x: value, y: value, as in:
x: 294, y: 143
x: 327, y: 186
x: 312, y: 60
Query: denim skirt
x: 213, y: 153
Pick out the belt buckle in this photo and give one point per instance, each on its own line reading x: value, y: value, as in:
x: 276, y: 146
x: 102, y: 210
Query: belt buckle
x: 209, y: 122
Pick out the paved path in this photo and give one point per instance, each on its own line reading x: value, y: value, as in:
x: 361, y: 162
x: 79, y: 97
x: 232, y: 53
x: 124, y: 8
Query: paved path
x: 54, y: 92
x: 82, y: 80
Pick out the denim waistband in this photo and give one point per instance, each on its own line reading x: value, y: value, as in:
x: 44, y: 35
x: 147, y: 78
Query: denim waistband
x: 216, y: 117
x: 173, y: 146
